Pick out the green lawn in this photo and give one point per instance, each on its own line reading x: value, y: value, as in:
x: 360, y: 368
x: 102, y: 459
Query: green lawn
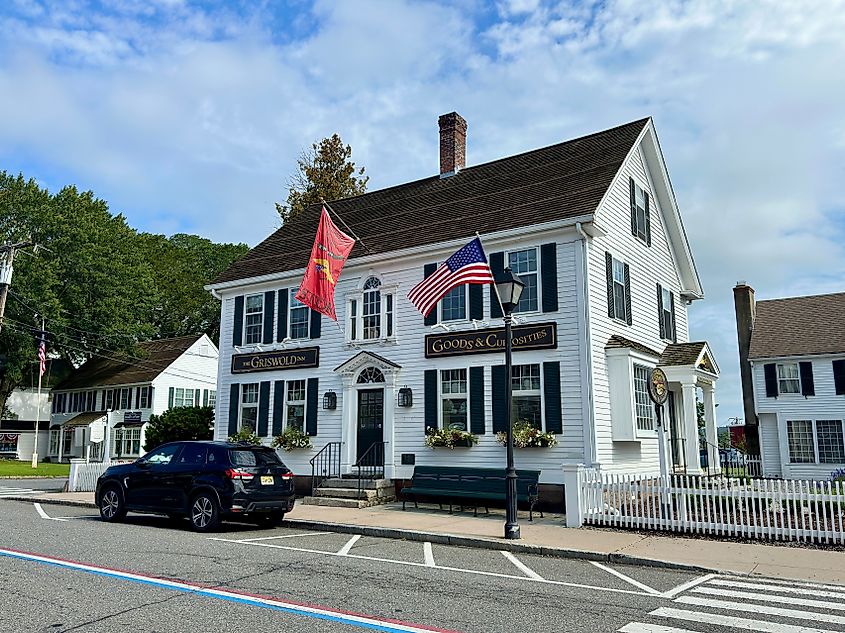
x: 13, y: 468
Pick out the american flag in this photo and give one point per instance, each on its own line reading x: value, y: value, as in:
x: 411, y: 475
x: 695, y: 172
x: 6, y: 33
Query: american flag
x: 42, y: 356
x: 467, y: 266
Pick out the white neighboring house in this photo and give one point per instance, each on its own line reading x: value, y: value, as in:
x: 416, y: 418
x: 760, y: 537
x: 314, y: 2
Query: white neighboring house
x: 107, y: 403
x: 593, y: 229
x: 17, y: 435
x: 796, y: 365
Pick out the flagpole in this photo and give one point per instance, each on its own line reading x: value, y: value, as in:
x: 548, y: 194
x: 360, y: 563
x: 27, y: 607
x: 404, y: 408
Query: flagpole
x: 351, y: 232
x: 38, y: 400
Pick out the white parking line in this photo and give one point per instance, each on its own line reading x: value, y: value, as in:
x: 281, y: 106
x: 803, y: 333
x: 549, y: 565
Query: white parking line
x: 628, y: 579
x: 525, y: 569
x: 640, y: 627
x: 344, y: 551
x: 272, y: 538
x: 43, y: 514
x: 477, y: 572
x: 428, y: 554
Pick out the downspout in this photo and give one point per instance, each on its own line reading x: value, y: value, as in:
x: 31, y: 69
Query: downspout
x: 590, y: 437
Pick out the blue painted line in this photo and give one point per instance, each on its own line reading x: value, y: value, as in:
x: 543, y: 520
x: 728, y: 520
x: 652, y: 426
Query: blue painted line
x: 226, y: 594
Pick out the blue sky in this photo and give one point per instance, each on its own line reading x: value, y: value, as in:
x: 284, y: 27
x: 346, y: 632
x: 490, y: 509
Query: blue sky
x: 189, y: 116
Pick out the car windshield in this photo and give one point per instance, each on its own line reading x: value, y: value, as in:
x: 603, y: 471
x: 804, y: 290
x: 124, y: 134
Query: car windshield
x: 254, y: 457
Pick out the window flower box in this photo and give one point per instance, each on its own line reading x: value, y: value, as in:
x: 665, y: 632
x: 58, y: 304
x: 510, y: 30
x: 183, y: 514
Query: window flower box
x: 291, y: 439
x: 526, y: 436
x: 449, y: 438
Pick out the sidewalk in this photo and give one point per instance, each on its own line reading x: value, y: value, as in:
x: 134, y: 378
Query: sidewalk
x: 549, y: 536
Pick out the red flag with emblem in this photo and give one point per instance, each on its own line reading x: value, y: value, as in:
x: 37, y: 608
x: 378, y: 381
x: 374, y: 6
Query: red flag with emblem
x: 328, y: 255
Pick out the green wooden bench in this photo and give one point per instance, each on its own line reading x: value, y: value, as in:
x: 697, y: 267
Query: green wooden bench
x: 459, y: 486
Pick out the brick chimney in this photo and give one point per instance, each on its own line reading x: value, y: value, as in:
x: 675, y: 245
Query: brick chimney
x: 453, y: 144
x: 745, y: 309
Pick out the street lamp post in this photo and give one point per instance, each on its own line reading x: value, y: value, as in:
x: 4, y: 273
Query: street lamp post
x: 509, y: 289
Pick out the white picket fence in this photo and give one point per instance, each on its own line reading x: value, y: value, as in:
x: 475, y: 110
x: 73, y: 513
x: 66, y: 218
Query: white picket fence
x: 777, y: 510
x: 83, y: 477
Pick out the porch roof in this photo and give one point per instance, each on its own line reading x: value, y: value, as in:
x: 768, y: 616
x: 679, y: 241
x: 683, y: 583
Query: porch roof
x: 84, y: 419
x: 620, y: 342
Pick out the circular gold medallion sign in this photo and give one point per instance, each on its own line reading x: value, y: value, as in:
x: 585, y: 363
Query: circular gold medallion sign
x: 658, y: 389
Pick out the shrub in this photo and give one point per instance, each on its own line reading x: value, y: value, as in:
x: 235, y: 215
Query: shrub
x: 180, y: 424
x: 525, y: 435
x: 449, y: 438
x: 290, y: 439
x: 245, y: 436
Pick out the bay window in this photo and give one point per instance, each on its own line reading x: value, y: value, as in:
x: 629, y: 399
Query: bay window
x: 642, y: 401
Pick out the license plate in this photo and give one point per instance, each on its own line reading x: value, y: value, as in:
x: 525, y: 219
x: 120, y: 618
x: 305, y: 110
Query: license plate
x: 266, y: 480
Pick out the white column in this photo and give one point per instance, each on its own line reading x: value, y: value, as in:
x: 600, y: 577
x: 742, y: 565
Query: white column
x: 711, y: 432
x: 61, y: 442
x: 572, y: 481
x: 387, y: 429
x: 690, y: 426
x: 348, y: 426
x: 107, y: 439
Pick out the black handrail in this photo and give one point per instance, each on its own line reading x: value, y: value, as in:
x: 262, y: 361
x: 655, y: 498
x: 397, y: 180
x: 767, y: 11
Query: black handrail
x: 370, y: 465
x: 325, y: 465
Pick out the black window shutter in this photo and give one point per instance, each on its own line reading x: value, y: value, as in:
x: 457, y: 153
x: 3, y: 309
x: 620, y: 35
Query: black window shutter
x: 278, y: 406
x: 628, y: 317
x: 431, y: 318
x: 205, y: 397
x: 311, y: 406
x: 238, y: 325
x: 476, y: 301
x: 608, y: 261
x: 770, y: 373
x: 497, y: 267
x: 633, y: 195
x: 647, y: 220
x: 808, y: 388
x: 660, y: 319
x: 137, y: 397
x: 476, y: 400
x: 170, y: 393
x: 674, y: 332
x: 316, y: 324
x: 500, y: 404
x: 263, y: 407
x: 548, y: 272
x: 551, y: 391
x: 282, y: 317
x: 129, y: 398
x: 430, y: 399
x: 839, y: 376
x: 197, y: 398
x: 269, y: 305
x: 234, y: 398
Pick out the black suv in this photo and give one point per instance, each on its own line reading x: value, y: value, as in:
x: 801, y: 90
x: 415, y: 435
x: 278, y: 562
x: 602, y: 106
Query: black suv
x: 205, y: 481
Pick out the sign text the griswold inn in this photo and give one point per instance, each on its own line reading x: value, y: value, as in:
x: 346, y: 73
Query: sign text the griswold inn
x: 270, y: 361
x: 525, y: 337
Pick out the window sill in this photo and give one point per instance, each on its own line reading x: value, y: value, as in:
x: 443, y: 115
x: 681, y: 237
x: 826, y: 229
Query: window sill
x: 371, y: 341
x: 620, y: 321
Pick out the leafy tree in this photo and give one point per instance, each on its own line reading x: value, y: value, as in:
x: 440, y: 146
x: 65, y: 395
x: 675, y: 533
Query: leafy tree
x: 86, y: 281
x: 324, y: 171
x: 180, y: 424
x: 183, y: 265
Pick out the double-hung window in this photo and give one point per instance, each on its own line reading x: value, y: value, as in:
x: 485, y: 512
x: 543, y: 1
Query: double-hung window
x: 212, y: 397
x: 254, y: 319
x: 639, y: 213
x: 667, y: 316
x: 371, y: 313
x: 298, y: 317
x: 127, y: 441
x: 620, y: 305
x: 789, y: 378
x: 644, y: 409
x: 124, y: 398
x: 183, y: 397
x: 249, y: 407
x: 800, y: 440
x: 830, y: 441
x: 295, y: 409
x: 453, y: 306
x: 453, y: 399
x: 525, y: 380
x: 144, y: 394
x: 523, y: 264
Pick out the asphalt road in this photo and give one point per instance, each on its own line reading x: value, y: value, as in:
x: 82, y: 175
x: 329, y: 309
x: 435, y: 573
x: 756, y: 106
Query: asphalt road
x: 153, y: 574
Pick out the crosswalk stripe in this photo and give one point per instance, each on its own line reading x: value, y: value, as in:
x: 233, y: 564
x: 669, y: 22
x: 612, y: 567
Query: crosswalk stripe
x: 747, y: 607
x: 791, y: 583
x: 732, y: 621
x: 765, y: 597
x: 641, y: 627
x: 778, y: 588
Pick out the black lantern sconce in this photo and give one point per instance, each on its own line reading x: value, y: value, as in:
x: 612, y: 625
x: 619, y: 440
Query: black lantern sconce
x: 330, y: 400
x: 406, y: 397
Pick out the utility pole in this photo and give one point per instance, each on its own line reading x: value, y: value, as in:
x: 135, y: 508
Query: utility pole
x: 7, y: 259
x: 41, y: 362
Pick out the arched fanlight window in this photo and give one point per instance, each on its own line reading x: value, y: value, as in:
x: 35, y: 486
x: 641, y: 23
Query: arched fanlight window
x: 370, y: 374
x: 372, y: 283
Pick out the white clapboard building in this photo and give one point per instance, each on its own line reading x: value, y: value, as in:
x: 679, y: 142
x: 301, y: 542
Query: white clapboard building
x: 792, y: 356
x: 593, y: 229
x: 106, y: 403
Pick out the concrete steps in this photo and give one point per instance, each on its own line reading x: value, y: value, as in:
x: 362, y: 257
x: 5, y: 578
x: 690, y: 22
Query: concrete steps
x: 343, y: 493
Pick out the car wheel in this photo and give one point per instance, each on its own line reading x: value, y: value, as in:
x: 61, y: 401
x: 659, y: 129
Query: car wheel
x: 204, y: 512
x: 112, y: 505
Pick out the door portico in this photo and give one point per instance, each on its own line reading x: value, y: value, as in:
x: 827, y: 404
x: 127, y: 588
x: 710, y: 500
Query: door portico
x: 363, y: 375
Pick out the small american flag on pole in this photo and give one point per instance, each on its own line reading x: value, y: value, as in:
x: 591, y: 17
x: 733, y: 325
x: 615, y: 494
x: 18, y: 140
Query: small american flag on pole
x: 42, y: 356
x: 466, y: 266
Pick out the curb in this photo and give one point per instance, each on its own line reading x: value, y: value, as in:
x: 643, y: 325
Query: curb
x: 475, y: 542
x: 33, y: 477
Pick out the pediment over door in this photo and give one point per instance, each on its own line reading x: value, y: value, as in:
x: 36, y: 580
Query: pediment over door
x: 353, y: 367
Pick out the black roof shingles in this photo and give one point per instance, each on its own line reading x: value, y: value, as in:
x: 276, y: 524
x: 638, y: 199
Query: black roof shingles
x: 557, y: 182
